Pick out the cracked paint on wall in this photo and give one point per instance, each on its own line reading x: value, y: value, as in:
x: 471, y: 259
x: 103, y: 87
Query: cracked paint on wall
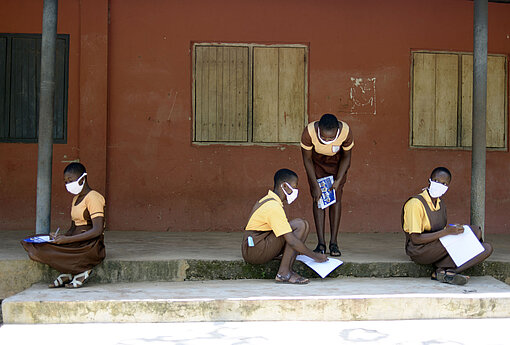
x: 362, y: 96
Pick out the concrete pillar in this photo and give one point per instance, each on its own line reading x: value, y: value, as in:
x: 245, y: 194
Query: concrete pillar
x: 479, y: 113
x: 46, y: 110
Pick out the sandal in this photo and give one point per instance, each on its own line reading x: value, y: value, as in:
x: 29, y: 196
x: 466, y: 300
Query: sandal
x: 299, y: 279
x: 450, y: 277
x: 321, y: 248
x: 333, y: 250
x: 76, y: 282
x: 438, y: 274
x: 287, y: 279
x: 61, y: 280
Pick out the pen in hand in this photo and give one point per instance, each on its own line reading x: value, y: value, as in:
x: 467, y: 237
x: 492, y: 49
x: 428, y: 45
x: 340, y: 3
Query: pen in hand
x: 56, y: 233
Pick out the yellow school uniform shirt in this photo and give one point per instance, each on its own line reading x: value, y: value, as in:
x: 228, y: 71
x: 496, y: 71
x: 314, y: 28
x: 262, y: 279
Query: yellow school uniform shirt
x: 90, y: 207
x: 310, y: 140
x: 415, y: 216
x: 270, y: 216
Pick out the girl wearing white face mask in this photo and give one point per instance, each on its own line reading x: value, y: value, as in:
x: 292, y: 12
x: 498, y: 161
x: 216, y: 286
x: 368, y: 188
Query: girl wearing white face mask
x: 326, y: 147
x: 81, y: 248
x: 269, y: 233
x: 424, y: 222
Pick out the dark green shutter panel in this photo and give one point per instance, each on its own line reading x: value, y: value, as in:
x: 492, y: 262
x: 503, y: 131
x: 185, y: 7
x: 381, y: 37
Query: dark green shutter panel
x: 20, y: 70
x: 3, y: 89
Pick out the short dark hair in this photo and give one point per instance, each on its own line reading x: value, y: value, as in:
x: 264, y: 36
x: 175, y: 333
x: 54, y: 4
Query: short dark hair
x: 283, y: 175
x: 328, y: 122
x: 440, y: 170
x: 75, y: 168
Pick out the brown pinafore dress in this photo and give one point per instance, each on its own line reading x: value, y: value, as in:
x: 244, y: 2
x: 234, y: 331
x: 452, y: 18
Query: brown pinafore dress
x: 71, y: 258
x: 266, y: 245
x: 433, y: 252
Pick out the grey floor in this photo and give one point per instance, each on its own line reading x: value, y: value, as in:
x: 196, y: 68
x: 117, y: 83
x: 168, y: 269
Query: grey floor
x: 146, y: 245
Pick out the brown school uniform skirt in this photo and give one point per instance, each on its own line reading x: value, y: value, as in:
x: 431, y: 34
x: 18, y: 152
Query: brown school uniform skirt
x: 327, y: 165
x: 266, y: 246
x: 72, y: 258
x: 429, y: 253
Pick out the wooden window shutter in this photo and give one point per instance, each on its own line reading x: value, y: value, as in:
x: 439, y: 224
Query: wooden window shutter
x: 279, y: 76
x: 221, y: 93
x: 434, y: 99
x: 496, y: 101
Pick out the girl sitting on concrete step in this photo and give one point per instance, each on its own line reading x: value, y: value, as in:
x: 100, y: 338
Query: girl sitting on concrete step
x: 81, y: 248
x: 269, y: 234
x: 424, y: 222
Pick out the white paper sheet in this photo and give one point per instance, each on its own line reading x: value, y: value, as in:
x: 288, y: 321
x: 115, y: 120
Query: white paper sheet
x: 462, y: 247
x: 322, y: 268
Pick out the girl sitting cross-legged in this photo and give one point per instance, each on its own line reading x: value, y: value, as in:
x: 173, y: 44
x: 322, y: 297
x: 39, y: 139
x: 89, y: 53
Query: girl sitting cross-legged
x: 75, y: 253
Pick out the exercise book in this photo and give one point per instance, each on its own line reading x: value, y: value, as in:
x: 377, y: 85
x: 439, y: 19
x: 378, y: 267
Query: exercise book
x: 38, y: 239
x: 328, y: 197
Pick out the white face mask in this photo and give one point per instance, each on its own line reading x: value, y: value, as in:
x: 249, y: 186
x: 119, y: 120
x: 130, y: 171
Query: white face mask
x: 75, y: 187
x: 293, y: 195
x: 329, y: 141
x: 436, y: 189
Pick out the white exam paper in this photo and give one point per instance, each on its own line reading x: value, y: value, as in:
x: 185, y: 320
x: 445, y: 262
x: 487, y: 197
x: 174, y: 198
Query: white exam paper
x: 462, y: 247
x: 322, y: 268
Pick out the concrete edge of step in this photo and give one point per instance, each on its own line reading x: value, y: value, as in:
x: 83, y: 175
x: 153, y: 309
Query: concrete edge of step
x: 112, y: 271
x: 339, y: 309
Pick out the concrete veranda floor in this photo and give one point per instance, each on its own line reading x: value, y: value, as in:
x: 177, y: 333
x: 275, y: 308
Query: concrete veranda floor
x: 155, y: 246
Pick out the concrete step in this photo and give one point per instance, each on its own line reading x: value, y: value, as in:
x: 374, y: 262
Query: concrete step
x: 142, y: 256
x: 260, y: 300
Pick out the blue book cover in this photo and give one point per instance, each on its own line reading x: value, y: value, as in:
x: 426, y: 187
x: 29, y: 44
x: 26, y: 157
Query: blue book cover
x: 38, y: 239
x: 328, y: 197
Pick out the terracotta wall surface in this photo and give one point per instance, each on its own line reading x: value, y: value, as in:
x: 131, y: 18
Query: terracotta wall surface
x: 139, y: 149
x: 87, y: 24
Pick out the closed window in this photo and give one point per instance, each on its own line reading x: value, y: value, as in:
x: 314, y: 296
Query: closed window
x: 442, y: 100
x: 20, y: 70
x: 249, y: 93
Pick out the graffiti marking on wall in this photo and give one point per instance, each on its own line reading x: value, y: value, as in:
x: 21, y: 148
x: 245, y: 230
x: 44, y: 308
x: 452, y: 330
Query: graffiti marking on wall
x: 362, y: 96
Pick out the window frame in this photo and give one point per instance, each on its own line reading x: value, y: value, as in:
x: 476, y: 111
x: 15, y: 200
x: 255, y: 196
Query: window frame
x: 8, y: 89
x: 250, y: 46
x: 459, y: 146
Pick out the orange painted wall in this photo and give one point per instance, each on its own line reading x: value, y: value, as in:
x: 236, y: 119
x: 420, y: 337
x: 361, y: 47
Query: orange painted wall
x: 156, y: 179
x: 86, y: 23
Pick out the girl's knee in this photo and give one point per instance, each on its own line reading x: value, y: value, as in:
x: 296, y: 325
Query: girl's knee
x: 300, y: 227
x: 307, y: 225
x: 488, y: 248
x: 298, y: 224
